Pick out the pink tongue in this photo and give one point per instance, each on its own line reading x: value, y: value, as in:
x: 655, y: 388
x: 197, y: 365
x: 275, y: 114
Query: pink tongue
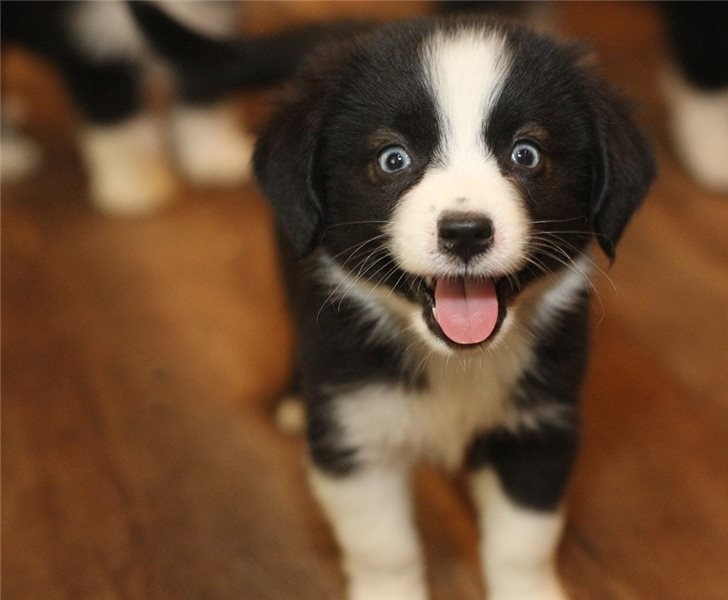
x: 466, y: 309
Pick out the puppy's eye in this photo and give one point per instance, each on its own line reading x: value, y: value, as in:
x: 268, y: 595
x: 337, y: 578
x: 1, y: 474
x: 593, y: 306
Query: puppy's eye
x: 526, y: 155
x: 393, y: 159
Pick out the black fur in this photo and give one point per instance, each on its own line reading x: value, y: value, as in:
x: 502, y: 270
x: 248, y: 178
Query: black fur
x: 697, y: 34
x: 534, y: 466
x: 313, y: 162
x: 215, y: 67
x: 104, y: 91
x: 108, y: 90
x: 365, y: 317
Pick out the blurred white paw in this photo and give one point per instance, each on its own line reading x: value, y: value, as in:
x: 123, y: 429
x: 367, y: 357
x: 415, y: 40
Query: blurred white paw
x: 211, y: 148
x: 19, y: 156
x: 388, y: 586
x: 291, y: 415
x: 128, y: 174
x: 529, y: 588
x: 699, y: 128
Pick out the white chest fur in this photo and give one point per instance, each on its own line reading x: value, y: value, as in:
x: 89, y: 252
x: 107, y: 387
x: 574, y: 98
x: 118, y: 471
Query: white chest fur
x: 462, y: 397
x: 466, y: 393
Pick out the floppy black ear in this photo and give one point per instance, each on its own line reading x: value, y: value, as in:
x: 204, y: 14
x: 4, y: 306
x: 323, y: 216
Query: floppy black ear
x: 623, y: 168
x: 284, y: 167
x: 285, y: 155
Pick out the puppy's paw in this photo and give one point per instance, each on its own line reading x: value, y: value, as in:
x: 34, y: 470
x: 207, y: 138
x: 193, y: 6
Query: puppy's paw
x: 19, y: 156
x: 291, y: 415
x: 699, y: 128
x: 211, y: 149
x: 128, y: 175
x: 546, y: 589
x: 389, y: 589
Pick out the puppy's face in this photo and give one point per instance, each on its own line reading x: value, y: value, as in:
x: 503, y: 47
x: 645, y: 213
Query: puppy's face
x: 451, y: 164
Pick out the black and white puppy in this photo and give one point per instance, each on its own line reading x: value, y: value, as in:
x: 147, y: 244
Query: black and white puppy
x: 103, y: 59
x: 441, y: 182
x: 695, y: 87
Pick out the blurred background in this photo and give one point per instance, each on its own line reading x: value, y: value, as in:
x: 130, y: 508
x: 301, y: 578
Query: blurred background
x: 141, y: 358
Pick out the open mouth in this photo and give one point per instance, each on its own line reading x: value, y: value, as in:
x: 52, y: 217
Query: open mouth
x: 464, y: 311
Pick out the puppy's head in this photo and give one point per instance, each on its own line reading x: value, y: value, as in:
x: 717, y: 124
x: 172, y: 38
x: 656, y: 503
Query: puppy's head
x: 452, y: 163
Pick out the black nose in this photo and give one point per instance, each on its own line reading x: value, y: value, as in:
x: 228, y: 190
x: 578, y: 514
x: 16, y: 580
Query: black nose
x: 465, y: 234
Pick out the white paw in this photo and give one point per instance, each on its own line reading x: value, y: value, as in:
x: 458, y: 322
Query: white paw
x: 291, y: 415
x: 548, y: 588
x: 699, y: 128
x: 128, y: 175
x: 210, y: 146
x: 388, y: 588
x: 19, y: 156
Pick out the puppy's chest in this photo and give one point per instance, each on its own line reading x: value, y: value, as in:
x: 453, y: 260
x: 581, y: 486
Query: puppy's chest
x: 437, y: 422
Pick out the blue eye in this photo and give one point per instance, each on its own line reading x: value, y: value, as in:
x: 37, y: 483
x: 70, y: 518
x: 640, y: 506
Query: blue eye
x: 526, y: 155
x: 393, y: 159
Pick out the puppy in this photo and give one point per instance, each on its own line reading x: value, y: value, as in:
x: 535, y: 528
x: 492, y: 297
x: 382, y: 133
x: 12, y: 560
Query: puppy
x: 102, y: 57
x: 440, y: 182
x: 437, y: 185
x: 695, y: 87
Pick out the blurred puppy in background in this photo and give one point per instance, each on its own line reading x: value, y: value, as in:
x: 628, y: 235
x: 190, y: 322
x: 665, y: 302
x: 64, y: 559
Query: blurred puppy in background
x: 104, y: 60
x: 696, y: 88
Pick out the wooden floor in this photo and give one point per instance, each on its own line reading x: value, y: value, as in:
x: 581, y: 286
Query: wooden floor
x: 140, y: 359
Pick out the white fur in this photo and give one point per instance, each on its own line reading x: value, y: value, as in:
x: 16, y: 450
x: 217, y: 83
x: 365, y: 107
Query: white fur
x: 381, y: 306
x: 465, y: 75
x: 291, y: 415
x: 127, y: 170
x: 211, y: 146
x: 462, y: 397
x: 19, y: 155
x: 699, y: 124
x: 518, y: 545
x: 371, y: 513
x: 554, y: 298
x: 209, y: 17
x: 393, y: 427
x: 466, y: 392
x: 465, y: 72
x: 106, y: 30
x: 535, y: 309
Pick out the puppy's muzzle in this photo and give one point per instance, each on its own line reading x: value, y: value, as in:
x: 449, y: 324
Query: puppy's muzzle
x: 464, y: 235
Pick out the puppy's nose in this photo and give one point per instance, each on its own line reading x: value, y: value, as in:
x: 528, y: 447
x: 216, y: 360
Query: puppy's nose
x: 465, y: 235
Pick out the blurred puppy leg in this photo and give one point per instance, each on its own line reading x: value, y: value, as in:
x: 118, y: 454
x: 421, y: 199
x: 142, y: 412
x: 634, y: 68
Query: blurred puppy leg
x: 696, y: 88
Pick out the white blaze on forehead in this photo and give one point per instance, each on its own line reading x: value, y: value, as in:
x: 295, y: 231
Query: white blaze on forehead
x: 466, y: 70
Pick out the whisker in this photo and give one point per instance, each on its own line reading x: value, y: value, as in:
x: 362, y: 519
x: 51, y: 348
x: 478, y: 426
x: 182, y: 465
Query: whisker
x: 353, y: 223
x: 567, y: 220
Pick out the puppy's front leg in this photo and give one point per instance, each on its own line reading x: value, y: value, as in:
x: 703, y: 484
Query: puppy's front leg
x: 371, y: 514
x: 517, y: 491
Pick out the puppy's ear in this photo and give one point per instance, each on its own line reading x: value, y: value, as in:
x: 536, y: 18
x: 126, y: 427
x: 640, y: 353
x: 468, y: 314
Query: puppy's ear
x: 284, y: 167
x: 286, y: 153
x: 623, y: 167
